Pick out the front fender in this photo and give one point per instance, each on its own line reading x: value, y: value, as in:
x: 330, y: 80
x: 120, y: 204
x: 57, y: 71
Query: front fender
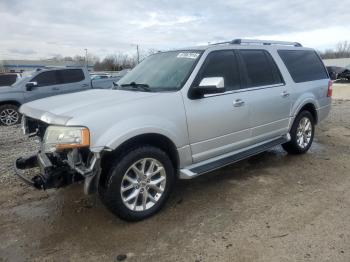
x: 132, y: 127
x: 11, y: 95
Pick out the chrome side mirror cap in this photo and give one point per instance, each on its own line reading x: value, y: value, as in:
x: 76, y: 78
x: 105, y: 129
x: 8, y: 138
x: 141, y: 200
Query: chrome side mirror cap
x: 217, y: 82
x: 211, y: 85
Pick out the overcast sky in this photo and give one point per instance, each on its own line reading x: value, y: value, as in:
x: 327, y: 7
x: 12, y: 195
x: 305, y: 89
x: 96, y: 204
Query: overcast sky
x: 43, y: 28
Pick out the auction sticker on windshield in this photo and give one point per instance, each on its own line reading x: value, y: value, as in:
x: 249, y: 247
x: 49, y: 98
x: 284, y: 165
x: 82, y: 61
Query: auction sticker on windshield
x: 188, y: 55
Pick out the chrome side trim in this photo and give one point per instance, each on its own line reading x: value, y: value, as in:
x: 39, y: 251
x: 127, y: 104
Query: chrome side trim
x: 244, y: 90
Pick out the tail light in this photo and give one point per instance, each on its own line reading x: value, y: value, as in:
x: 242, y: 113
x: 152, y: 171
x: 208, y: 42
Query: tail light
x: 330, y: 90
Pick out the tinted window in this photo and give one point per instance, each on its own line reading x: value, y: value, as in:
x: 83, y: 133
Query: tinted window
x: 260, y: 69
x: 221, y: 64
x: 71, y: 75
x: 7, y: 80
x: 46, y: 78
x: 303, y: 65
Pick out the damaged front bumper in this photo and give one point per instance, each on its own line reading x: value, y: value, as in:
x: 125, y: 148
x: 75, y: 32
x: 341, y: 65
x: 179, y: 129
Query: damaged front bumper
x: 59, y: 170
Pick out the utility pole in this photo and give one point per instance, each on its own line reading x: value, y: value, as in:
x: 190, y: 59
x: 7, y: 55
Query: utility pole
x: 86, y: 59
x: 138, y: 53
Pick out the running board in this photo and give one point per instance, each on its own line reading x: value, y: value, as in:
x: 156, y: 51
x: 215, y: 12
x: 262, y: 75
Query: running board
x: 200, y: 169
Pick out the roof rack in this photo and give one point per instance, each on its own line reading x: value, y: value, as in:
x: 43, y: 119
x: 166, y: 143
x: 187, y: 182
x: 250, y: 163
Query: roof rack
x: 262, y: 42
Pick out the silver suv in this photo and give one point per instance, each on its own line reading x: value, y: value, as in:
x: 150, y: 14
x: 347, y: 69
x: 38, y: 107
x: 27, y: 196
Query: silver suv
x: 178, y: 114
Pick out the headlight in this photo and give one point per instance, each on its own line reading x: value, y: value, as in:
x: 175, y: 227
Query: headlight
x: 63, y: 137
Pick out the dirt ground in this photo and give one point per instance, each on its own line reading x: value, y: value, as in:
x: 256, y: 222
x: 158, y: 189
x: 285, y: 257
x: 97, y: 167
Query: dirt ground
x: 271, y: 207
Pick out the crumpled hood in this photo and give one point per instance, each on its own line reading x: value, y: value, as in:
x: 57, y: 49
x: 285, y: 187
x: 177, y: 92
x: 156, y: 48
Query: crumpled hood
x: 60, y: 109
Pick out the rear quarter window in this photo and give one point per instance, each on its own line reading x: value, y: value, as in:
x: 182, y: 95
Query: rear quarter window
x: 303, y: 65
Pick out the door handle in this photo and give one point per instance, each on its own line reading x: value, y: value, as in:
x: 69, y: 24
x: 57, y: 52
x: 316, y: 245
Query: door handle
x: 285, y: 94
x: 238, y: 102
x: 55, y: 88
x: 85, y: 85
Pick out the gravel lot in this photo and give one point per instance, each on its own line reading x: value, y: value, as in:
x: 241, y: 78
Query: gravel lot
x: 271, y: 207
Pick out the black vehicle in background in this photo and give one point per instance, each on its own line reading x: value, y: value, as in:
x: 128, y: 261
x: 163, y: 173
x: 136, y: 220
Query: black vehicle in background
x: 338, y: 73
x: 8, y: 79
x: 345, y: 74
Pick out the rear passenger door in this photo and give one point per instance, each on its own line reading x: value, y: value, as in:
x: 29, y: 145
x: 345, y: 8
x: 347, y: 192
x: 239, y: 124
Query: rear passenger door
x: 73, y: 80
x: 268, y: 95
x: 48, y: 84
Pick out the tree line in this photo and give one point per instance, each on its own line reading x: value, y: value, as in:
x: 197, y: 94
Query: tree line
x: 342, y: 50
x: 112, y: 62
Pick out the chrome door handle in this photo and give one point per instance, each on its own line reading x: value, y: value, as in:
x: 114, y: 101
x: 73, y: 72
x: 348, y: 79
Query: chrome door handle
x: 285, y: 94
x: 238, y: 102
x: 55, y: 88
x: 85, y: 85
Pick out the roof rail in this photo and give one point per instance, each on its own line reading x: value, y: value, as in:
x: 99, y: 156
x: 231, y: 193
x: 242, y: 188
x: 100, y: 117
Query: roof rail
x: 222, y: 43
x: 263, y: 42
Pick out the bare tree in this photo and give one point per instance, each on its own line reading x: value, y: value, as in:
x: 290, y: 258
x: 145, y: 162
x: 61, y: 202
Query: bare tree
x: 115, y: 62
x: 342, y: 50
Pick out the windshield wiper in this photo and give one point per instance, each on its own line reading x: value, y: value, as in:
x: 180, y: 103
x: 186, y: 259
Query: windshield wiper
x: 144, y: 87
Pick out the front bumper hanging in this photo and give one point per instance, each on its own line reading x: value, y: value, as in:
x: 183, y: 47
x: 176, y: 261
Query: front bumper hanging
x: 56, y: 171
x: 49, y: 175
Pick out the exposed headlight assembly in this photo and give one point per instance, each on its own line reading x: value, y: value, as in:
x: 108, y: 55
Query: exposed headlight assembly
x: 62, y: 137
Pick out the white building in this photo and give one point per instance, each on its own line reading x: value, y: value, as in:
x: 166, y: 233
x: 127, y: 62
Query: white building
x: 341, y: 62
x: 18, y: 66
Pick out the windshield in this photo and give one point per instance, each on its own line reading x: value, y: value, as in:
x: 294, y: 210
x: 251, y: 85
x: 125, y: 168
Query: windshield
x: 166, y: 71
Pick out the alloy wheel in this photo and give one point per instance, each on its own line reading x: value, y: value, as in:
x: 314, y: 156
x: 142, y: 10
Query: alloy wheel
x: 9, y: 116
x: 304, y: 132
x: 143, y: 184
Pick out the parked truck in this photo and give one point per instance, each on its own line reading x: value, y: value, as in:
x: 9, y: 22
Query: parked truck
x: 44, y: 83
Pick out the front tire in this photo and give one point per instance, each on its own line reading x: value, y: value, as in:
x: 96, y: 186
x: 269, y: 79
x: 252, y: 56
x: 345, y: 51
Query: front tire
x: 9, y: 115
x: 138, y: 184
x: 302, y: 134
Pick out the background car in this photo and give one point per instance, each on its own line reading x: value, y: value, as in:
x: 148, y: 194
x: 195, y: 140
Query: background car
x: 334, y: 71
x: 44, y: 83
x: 344, y: 75
x: 99, y: 76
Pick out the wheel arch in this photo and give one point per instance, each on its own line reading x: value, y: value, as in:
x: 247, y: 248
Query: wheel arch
x: 152, y: 139
x: 312, y: 109
x: 10, y: 102
x: 308, y: 106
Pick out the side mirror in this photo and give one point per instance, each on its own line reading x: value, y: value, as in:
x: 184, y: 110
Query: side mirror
x: 30, y: 85
x: 211, y: 85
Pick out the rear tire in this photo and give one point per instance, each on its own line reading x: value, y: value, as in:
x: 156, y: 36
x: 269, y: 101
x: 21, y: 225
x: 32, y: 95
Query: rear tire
x: 138, y: 184
x: 302, y: 134
x: 9, y: 115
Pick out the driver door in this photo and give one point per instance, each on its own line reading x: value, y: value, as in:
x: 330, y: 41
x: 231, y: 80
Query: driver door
x: 219, y: 123
x: 48, y: 84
